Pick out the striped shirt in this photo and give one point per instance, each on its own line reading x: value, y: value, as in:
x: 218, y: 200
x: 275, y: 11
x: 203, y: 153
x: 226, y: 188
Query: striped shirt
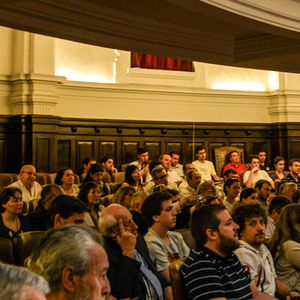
x: 207, y: 275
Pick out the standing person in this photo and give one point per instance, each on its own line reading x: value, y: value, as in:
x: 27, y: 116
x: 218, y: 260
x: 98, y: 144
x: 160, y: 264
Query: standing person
x: 205, y: 167
x: 285, y: 246
x: 164, y: 245
x: 279, y: 173
x: 175, y: 165
x: 294, y: 172
x: 65, y: 178
x: 255, y: 174
x: 235, y: 163
x: 212, y: 270
x: 30, y: 188
x: 253, y: 254
x: 142, y: 163
x: 263, y: 163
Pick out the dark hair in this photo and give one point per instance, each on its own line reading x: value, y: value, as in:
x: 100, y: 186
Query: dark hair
x: 141, y: 150
x: 87, y: 160
x: 46, y: 192
x: 291, y: 161
x: 278, y: 203
x: 152, y: 206
x: 128, y: 174
x: 277, y: 159
x: 296, y: 197
x: 261, y: 182
x: 199, y: 148
x: 94, y: 169
x: 251, y: 157
x: 5, y: 195
x: 247, y: 192
x: 66, y: 206
x: 189, y: 173
x: 243, y: 212
x: 59, y: 175
x: 84, y: 190
x: 228, y: 183
x: 228, y: 172
x: 104, y: 159
x: 203, y: 218
x: 153, y: 164
x: 173, y: 152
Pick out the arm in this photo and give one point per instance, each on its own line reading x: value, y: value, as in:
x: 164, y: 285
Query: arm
x: 257, y: 295
x: 250, y: 181
x: 283, y: 290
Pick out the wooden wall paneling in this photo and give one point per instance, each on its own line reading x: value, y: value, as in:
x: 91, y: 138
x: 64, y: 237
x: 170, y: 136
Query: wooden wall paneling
x: 108, y: 148
x: 64, y: 154
x: 84, y: 148
x: 154, y: 149
x: 129, y: 151
x: 211, y: 150
x: 294, y: 148
x: 191, y: 147
x: 42, y: 155
x: 175, y: 146
x: 3, y: 157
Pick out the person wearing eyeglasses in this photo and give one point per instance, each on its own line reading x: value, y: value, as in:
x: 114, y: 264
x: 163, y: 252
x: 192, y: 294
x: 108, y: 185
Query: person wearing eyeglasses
x: 30, y: 188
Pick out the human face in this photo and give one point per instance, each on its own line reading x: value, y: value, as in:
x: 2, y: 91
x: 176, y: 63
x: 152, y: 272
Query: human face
x: 28, y: 175
x: 97, y: 177
x: 109, y: 165
x: 234, y: 157
x: 161, y: 178
x: 201, y: 154
x: 167, y: 217
x: 254, y: 163
x: 290, y: 191
x: 14, y: 204
x: 227, y: 234
x: 94, y: 284
x: 262, y: 156
x: 166, y: 162
x: 68, y: 177
x: 87, y: 166
x: 265, y: 191
x: 93, y: 196
x: 254, y: 231
x: 136, y: 175
x: 174, y: 160
x: 295, y: 168
x: 280, y: 166
x: 196, y: 179
x: 142, y: 158
x: 234, y: 189
x: 128, y: 222
x: 253, y: 197
x: 31, y: 293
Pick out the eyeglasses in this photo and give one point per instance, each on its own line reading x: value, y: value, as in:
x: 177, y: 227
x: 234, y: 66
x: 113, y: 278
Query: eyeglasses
x: 29, y: 173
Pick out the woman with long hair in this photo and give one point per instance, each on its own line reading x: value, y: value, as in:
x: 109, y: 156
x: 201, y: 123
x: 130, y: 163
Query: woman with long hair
x: 133, y: 178
x: 285, y: 246
x: 279, y: 164
x: 123, y: 196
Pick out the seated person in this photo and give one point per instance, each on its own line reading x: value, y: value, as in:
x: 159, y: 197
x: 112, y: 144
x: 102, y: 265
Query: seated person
x: 131, y: 272
x: 164, y: 245
x: 253, y: 254
x: 65, y: 178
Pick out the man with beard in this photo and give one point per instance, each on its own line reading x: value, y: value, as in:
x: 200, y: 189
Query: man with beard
x: 212, y: 271
x: 253, y: 254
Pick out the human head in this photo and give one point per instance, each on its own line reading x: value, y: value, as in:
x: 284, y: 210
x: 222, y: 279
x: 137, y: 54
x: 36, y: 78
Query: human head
x: 188, y: 166
x: 123, y: 196
x: 110, y: 218
x: 95, y: 173
x: 296, y: 197
x: 175, y: 156
x: 279, y: 163
x: 253, y: 161
x: 89, y: 193
x: 11, y: 200
x: 277, y: 204
x: 49, y: 192
x: 143, y: 155
x: 87, y: 162
x: 248, y: 195
x: 66, y: 209
x: 155, y: 208
x: 230, y: 173
x: 107, y: 163
x: 252, y: 219
x: 200, y: 153
x: 193, y: 178
x: 165, y: 160
x: 64, y: 176
x: 263, y: 189
x: 159, y: 176
x: 294, y: 166
x: 234, y: 156
x: 206, y: 189
x: 132, y: 174
x: 212, y: 225
x: 73, y: 262
x: 18, y: 283
x: 28, y: 175
x: 262, y: 155
x: 232, y: 186
x: 288, y: 189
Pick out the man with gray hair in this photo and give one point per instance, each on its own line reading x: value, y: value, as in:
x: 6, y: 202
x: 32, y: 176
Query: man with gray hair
x: 73, y: 262
x: 18, y: 283
x: 132, y: 273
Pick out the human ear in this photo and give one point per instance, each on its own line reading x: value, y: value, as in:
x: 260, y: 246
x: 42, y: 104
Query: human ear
x: 211, y: 234
x: 70, y: 280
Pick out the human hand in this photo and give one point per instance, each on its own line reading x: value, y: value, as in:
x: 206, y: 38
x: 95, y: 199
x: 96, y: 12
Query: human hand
x: 126, y: 240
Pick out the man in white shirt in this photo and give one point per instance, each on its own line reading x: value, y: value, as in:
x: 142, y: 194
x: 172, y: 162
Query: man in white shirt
x: 205, y: 167
x: 175, y: 165
x: 31, y: 189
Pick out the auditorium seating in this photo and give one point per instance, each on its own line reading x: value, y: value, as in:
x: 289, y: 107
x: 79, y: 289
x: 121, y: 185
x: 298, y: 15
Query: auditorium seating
x: 176, y: 279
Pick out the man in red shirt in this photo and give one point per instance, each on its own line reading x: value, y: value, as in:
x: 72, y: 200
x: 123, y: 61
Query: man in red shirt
x: 235, y: 163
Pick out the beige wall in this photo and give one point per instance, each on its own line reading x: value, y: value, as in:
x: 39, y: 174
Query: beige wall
x: 43, y: 75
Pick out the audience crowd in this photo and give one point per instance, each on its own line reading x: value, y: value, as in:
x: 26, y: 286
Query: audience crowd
x: 109, y: 234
